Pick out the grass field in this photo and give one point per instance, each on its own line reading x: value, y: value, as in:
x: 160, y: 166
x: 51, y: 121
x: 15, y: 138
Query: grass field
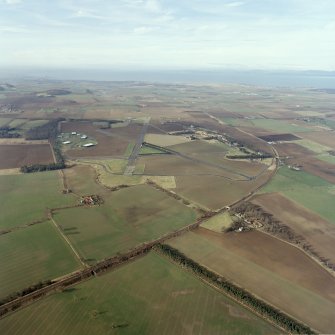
x: 4, y: 121
x: 33, y: 124
x: 215, y: 192
x: 313, y: 146
x: 150, y: 151
x: 81, y: 180
x: 24, y: 198
x: 149, y: 296
x: 17, y: 123
x: 31, y: 255
x: 218, y: 222
x: 280, y: 126
x: 327, y: 158
x: 308, y: 190
x: 165, y: 140
x: 128, y: 218
x: 269, y: 268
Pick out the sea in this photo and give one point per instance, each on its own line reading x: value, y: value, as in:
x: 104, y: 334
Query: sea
x: 293, y: 79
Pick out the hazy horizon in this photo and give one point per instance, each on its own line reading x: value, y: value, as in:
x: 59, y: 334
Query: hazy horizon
x: 160, y: 34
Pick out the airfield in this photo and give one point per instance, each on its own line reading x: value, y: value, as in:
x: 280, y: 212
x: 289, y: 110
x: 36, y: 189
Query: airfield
x: 118, y: 169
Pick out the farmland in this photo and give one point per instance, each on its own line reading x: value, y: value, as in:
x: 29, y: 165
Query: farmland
x: 15, y: 156
x: 317, y: 231
x: 125, y: 220
x: 174, y: 164
x: 149, y: 296
x: 310, y: 191
x: 252, y: 258
x: 25, y: 198
x: 31, y: 255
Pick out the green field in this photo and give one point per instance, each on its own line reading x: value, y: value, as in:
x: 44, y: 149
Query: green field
x: 24, y: 198
x: 128, y: 218
x: 310, y: 191
x: 327, y: 158
x: 17, y: 122
x: 272, y: 270
x: 279, y: 126
x: 33, y: 124
x: 150, y: 151
x: 313, y: 146
x: 149, y: 296
x: 4, y: 121
x: 218, y: 222
x: 31, y: 255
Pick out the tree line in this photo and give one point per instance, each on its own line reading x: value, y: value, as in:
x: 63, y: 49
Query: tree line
x: 51, y: 130
x: 273, y: 226
x: 275, y: 315
x: 8, y: 132
x: 44, y: 132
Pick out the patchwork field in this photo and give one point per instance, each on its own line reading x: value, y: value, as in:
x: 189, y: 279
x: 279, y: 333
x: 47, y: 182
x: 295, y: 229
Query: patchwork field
x: 215, y: 192
x: 152, y: 295
x: 33, y: 254
x: 310, y: 191
x: 149, y: 296
x: 271, y: 269
x: 326, y: 138
x: 81, y: 179
x: 15, y: 156
x: 107, y: 145
x: 25, y: 198
x: 317, y: 231
x: 127, y: 218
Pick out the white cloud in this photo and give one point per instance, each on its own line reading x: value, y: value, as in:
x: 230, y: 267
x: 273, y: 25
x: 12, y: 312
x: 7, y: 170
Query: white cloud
x: 13, y: 2
x: 153, y: 6
x: 143, y: 30
x: 235, y: 4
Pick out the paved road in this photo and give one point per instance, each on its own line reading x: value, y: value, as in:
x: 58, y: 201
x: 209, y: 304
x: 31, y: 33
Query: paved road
x: 136, y: 150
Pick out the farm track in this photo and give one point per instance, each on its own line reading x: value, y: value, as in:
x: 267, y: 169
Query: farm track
x: 68, y: 242
x: 111, y: 263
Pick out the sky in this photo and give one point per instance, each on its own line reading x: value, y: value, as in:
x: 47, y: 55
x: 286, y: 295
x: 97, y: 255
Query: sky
x: 168, y: 34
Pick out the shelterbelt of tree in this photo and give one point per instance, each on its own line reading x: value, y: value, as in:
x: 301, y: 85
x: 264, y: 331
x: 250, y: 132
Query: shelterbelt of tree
x: 279, y: 318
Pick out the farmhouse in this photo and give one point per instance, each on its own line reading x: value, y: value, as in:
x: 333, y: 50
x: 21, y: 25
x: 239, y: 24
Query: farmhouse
x: 87, y: 145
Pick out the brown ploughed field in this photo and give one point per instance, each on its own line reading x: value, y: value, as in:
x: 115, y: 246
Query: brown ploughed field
x: 107, y: 145
x: 269, y: 268
x: 316, y: 230
x: 17, y: 155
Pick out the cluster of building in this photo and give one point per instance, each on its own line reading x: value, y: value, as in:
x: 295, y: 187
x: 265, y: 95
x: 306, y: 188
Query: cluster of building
x: 82, y: 137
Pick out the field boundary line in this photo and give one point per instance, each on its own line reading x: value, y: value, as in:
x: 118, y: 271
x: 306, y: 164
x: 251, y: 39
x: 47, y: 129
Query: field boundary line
x: 67, y: 241
x: 222, y: 291
x: 313, y: 258
x: 96, y: 269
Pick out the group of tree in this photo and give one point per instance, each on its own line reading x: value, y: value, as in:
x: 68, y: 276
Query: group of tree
x: 275, y: 315
x: 272, y: 225
x: 51, y: 129
x: 42, y: 167
x: 44, y: 132
x: 249, y: 156
x: 25, y: 291
x: 8, y: 132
